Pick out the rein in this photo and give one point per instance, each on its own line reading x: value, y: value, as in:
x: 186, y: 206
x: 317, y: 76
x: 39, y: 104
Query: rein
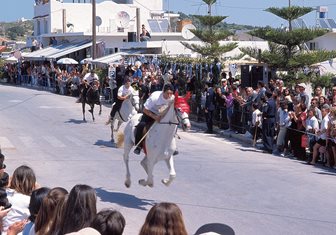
x: 174, y: 123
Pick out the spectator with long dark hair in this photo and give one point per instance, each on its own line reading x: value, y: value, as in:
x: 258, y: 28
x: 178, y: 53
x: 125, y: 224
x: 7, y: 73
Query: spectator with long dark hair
x: 80, y: 209
x: 36, y: 199
x: 48, y: 209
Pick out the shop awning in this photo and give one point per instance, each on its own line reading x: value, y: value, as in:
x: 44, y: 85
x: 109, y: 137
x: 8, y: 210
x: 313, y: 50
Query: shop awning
x: 113, y: 58
x: 70, y: 50
x: 54, y: 52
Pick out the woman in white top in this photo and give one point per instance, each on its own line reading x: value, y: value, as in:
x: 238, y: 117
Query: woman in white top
x: 312, y: 126
x: 22, y: 184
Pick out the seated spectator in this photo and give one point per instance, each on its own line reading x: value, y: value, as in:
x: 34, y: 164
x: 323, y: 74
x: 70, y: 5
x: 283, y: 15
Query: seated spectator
x: 57, y: 220
x: 164, y: 219
x: 80, y: 209
x: 36, y: 199
x: 109, y: 222
x: 85, y: 231
x: 48, y: 210
x: 215, y: 228
x: 23, y: 183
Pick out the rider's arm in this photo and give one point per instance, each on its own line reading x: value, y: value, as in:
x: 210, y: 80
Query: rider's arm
x: 152, y: 115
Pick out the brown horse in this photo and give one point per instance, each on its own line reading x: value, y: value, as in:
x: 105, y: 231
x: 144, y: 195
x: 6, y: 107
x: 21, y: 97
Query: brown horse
x: 90, y: 96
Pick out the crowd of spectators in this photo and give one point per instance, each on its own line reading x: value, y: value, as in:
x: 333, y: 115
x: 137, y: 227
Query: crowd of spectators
x: 55, y: 211
x: 281, y: 116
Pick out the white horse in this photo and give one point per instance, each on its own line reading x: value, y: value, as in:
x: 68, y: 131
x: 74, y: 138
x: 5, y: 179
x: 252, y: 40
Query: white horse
x: 128, y: 109
x: 159, y: 143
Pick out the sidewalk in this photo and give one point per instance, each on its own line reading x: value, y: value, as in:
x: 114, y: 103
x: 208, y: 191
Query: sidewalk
x: 223, y: 133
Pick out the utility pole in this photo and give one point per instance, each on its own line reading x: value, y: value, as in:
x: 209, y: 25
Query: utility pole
x: 94, y: 34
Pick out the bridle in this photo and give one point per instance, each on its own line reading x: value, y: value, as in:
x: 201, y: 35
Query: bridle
x: 133, y: 102
x: 180, y: 119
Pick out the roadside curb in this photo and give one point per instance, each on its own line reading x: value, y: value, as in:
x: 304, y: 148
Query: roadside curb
x: 220, y: 132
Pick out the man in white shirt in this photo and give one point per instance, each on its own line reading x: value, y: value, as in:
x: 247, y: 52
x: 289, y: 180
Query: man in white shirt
x: 153, y: 110
x: 124, y: 92
x: 90, y: 79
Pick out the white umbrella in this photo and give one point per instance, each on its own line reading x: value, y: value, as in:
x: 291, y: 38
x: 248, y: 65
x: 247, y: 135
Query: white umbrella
x: 67, y: 61
x: 11, y: 59
x: 86, y: 61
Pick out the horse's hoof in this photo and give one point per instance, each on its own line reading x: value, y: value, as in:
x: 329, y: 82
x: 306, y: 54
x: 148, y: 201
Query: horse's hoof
x: 127, y: 183
x: 112, y: 141
x: 166, y: 182
x: 142, y: 182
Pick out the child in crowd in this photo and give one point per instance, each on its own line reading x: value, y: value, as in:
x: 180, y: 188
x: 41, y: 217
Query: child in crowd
x: 109, y: 222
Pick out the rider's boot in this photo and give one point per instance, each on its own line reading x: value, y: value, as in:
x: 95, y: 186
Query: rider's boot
x: 137, y: 150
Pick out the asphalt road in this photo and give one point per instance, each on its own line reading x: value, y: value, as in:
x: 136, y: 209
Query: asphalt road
x: 218, y: 180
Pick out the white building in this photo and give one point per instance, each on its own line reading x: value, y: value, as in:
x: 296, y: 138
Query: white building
x: 118, y: 27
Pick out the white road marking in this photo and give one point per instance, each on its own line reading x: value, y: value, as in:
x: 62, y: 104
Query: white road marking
x: 28, y: 141
x: 5, y: 143
x: 54, y: 141
x: 74, y: 140
x: 15, y: 101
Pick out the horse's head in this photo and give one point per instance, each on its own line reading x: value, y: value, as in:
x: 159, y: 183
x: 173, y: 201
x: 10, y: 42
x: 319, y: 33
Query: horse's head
x: 183, y: 109
x: 135, y: 100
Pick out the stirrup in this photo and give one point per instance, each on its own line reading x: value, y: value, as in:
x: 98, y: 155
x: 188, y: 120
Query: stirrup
x: 137, y: 150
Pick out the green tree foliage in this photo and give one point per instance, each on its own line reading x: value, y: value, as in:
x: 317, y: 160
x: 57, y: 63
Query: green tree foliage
x: 287, y: 49
x: 210, y: 37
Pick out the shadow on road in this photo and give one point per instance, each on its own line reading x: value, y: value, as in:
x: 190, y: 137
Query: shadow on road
x: 325, y: 173
x: 74, y: 121
x: 105, y: 143
x: 123, y: 199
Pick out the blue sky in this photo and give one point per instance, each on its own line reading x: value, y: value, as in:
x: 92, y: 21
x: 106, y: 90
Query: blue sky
x: 248, y: 12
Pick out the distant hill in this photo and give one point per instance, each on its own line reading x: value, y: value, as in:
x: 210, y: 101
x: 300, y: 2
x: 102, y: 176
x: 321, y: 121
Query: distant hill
x: 16, y: 31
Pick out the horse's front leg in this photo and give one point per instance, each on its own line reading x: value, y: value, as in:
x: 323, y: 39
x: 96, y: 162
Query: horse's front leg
x: 100, y: 108
x: 172, y: 173
x: 127, y: 149
x: 83, y: 110
x: 91, y: 111
x: 148, y: 166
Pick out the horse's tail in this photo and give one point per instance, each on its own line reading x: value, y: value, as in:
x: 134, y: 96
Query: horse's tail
x: 120, y: 135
